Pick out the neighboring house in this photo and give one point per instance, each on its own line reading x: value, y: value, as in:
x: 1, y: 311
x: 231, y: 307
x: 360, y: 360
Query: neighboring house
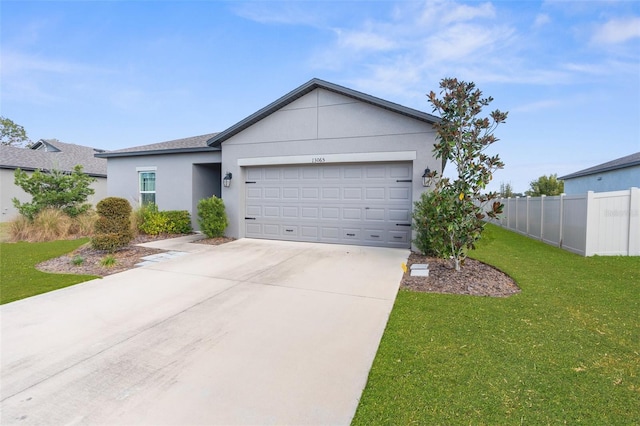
x: 323, y: 163
x: 620, y: 174
x: 47, y: 154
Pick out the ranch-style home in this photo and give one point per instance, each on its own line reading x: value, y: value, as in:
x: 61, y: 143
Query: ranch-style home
x: 323, y: 163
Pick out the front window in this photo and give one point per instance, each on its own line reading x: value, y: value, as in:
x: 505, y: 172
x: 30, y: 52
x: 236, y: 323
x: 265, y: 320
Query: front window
x: 147, y: 188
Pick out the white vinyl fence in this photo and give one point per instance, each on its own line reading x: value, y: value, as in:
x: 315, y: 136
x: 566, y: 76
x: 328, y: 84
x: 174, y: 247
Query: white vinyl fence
x: 595, y: 223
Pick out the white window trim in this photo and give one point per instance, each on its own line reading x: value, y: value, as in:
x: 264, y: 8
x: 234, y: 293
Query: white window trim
x: 141, y: 170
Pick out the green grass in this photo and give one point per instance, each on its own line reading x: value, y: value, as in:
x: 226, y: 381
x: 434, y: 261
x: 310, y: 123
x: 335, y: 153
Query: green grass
x: 18, y: 276
x: 564, y: 351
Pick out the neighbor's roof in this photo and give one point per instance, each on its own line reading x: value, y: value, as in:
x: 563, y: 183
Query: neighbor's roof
x: 307, y: 88
x: 47, y: 154
x: 192, y: 144
x: 620, y: 163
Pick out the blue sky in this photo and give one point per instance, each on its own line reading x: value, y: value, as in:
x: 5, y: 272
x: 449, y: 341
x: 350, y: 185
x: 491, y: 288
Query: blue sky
x: 115, y: 74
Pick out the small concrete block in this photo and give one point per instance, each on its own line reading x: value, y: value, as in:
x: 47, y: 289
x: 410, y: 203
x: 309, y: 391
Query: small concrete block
x: 419, y: 266
x: 420, y: 270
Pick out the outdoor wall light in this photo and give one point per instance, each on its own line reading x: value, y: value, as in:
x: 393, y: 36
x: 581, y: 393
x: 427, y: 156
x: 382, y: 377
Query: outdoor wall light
x: 426, y: 177
x: 226, y: 181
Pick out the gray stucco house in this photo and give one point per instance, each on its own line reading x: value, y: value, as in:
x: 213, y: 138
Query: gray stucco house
x: 323, y: 163
x: 47, y: 154
x: 616, y: 175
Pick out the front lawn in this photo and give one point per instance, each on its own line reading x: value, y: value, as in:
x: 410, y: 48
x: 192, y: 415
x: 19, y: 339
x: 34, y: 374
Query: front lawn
x: 564, y: 351
x: 18, y: 276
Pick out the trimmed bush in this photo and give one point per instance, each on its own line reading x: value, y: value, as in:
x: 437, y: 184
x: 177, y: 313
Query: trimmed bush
x: 179, y: 220
x: 212, y: 217
x: 151, y: 221
x: 113, y: 227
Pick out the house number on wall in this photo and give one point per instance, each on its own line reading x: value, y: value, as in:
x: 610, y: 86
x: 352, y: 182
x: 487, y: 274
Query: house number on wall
x: 318, y: 160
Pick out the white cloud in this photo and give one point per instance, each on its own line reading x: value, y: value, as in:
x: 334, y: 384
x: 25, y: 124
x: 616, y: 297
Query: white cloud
x: 617, y: 31
x: 364, y: 40
x: 542, y: 19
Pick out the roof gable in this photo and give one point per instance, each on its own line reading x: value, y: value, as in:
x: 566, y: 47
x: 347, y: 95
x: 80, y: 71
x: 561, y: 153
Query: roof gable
x: 619, y: 163
x: 308, y: 87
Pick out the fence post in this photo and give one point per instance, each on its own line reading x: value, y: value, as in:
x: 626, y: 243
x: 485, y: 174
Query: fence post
x: 542, y: 217
x: 527, y: 215
x: 634, y: 222
x: 516, y: 228
x: 590, y: 227
x: 560, y: 222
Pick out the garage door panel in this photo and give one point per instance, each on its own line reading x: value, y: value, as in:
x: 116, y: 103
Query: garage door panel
x: 254, y: 193
x: 330, y: 213
x: 290, y: 212
x: 350, y: 204
x: 330, y: 193
x: 374, y: 214
x: 310, y: 213
x: 399, y: 215
x: 351, y: 213
x: 374, y: 193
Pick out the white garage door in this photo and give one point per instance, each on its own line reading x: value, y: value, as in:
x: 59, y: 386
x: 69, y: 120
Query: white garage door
x: 362, y: 204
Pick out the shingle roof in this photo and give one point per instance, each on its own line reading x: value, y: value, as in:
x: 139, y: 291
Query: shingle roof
x: 619, y: 163
x: 309, y: 87
x: 65, y: 159
x: 191, y: 144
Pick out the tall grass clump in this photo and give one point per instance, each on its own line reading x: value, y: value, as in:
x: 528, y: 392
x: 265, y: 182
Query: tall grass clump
x: 49, y: 225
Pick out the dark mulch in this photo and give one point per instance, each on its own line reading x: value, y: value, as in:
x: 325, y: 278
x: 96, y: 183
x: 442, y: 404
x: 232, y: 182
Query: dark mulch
x: 475, y: 278
x: 126, y: 258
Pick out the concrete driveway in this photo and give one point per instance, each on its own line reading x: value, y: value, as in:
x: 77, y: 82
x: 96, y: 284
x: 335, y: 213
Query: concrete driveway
x: 250, y: 332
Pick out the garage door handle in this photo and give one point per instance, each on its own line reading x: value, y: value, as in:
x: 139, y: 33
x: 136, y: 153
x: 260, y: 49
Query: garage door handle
x: 404, y: 180
x: 375, y: 236
x: 249, y: 218
x: 289, y: 230
x: 403, y: 224
x: 250, y: 182
x: 351, y: 235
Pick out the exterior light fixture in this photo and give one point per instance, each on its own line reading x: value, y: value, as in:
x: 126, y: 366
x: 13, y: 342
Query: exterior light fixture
x: 226, y: 181
x: 426, y: 177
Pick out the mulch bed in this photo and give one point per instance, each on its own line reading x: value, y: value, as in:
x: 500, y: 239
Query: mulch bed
x: 475, y: 278
x: 126, y: 258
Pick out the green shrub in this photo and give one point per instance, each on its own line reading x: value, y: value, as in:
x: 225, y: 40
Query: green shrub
x: 212, y: 217
x: 113, y: 227
x: 429, y: 214
x: 180, y: 221
x: 151, y: 221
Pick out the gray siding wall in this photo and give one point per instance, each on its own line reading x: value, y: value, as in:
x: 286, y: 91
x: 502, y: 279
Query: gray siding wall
x: 323, y: 123
x: 615, y: 180
x: 174, y: 178
x: 8, y: 190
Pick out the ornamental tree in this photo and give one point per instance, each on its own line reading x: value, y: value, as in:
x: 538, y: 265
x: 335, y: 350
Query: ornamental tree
x: 56, y: 189
x: 12, y: 134
x: 546, y: 185
x: 449, y: 219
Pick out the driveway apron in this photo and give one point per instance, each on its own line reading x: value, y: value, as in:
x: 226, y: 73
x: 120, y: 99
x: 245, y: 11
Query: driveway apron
x: 247, y: 333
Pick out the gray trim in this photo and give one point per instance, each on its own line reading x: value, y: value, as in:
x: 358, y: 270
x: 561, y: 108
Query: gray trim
x: 619, y: 163
x: 308, y: 87
x: 32, y: 169
x: 156, y: 152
